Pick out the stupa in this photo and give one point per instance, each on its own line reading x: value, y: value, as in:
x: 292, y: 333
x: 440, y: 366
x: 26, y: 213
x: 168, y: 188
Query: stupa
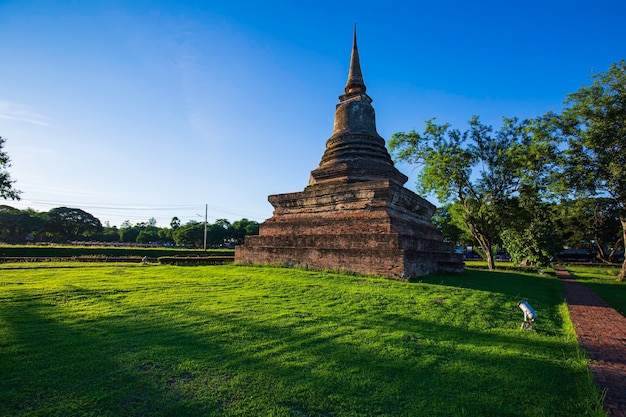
x: 355, y: 214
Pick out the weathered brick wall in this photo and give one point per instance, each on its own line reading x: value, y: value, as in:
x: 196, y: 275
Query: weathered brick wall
x: 375, y: 262
x: 373, y: 227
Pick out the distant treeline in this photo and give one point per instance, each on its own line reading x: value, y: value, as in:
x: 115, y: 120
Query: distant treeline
x: 64, y: 224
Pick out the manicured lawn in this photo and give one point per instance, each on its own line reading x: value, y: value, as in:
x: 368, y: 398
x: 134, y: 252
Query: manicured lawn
x: 601, y: 280
x: 246, y: 341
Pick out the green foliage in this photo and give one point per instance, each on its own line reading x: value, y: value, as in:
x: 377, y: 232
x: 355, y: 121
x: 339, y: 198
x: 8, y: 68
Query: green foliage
x: 7, y: 189
x: 148, y: 236
x: 535, y: 245
x: 72, y: 223
x: 235, y: 341
x: 478, y: 170
x: 190, y: 234
x: 65, y: 224
x: 129, y: 234
x: 444, y: 221
x: 593, y: 224
x: 530, y: 236
x: 243, y: 227
x: 109, y: 234
x: 166, y: 235
x: 594, y: 126
x: 20, y: 226
x: 218, y: 232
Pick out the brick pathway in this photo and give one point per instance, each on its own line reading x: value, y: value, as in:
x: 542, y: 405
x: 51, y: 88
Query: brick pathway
x: 601, y: 332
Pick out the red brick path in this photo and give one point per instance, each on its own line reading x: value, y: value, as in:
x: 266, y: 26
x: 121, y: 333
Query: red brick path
x: 601, y: 332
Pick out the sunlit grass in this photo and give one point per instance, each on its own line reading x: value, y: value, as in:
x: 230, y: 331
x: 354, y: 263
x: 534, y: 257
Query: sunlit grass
x: 601, y: 280
x: 246, y: 341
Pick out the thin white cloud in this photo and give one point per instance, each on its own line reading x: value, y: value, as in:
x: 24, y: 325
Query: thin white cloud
x: 19, y: 113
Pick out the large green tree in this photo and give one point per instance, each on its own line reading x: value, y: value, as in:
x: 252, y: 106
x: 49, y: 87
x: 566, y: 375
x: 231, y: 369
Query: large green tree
x: 21, y: 226
x: 444, y: 221
x: 72, y: 223
x: 218, y: 232
x: 593, y: 224
x: 6, y: 183
x: 190, y: 234
x: 478, y: 170
x: 241, y: 228
x: 530, y: 234
x: 593, y: 123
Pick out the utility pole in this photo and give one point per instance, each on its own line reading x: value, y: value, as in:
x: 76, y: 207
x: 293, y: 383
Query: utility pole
x: 206, y: 210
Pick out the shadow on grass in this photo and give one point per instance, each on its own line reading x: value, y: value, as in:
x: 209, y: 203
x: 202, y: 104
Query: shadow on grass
x: 507, y: 283
x: 149, y: 362
x: 91, y: 368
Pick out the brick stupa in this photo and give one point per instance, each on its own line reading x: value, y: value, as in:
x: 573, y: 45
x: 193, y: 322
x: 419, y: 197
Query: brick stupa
x: 355, y: 215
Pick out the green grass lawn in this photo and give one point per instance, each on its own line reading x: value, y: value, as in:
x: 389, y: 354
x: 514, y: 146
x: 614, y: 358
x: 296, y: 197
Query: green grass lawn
x: 601, y: 280
x: 246, y: 341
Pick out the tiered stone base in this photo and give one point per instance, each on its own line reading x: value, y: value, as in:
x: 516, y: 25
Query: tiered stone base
x: 372, y: 227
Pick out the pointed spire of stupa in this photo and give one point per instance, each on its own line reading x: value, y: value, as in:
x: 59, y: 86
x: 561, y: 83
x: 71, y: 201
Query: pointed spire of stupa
x: 355, y: 152
x: 355, y: 84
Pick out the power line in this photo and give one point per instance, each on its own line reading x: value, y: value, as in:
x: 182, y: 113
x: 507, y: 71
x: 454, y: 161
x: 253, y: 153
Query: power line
x: 135, y: 212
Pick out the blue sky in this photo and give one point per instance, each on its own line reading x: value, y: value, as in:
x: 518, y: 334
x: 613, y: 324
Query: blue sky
x: 139, y: 109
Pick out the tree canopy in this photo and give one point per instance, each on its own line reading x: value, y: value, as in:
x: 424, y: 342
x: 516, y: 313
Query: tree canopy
x: 73, y: 222
x: 478, y: 170
x: 7, y: 191
x: 593, y: 126
x: 592, y: 224
x: 64, y: 224
x: 503, y: 186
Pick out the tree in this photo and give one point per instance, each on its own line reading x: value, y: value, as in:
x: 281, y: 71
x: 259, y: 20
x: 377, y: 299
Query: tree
x: 129, y: 234
x: 450, y: 232
x: 190, y: 234
x: 9, y: 224
x: 144, y: 232
x: 477, y: 170
x: 594, y: 125
x: 6, y: 183
x: 218, y: 231
x: 147, y: 236
x: 531, y: 236
x: 591, y: 223
x: 166, y: 235
x: 72, y: 223
x: 110, y: 234
x: 243, y: 227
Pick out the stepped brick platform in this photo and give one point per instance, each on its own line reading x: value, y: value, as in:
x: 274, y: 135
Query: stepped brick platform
x: 355, y: 215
